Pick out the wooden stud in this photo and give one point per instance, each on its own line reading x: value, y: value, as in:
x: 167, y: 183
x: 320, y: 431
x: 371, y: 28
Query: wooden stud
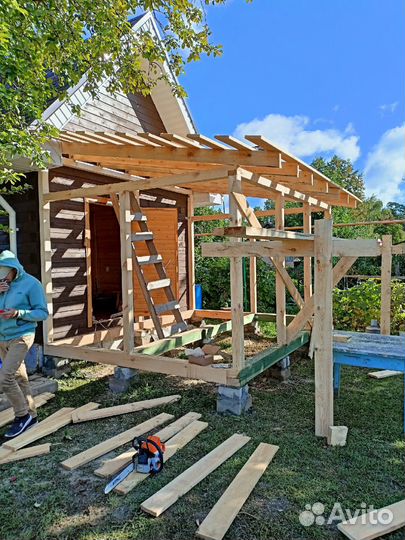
x: 221, y: 516
x: 182, y: 484
x: 126, y: 271
x: 386, y: 270
x: 26, y: 453
x: 280, y: 285
x: 87, y: 247
x: 236, y: 272
x: 46, y: 252
x: 307, y: 228
x: 323, y: 327
x: 190, y: 253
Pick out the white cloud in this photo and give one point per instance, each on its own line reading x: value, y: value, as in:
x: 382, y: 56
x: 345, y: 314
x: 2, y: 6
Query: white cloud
x: 385, y: 166
x: 294, y: 134
x: 388, y: 107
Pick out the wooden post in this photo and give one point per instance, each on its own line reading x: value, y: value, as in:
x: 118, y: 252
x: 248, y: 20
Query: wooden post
x: 323, y: 327
x: 190, y: 252
x: 386, y: 269
x: 46, y: 252
x: 253, y: 284
x: 87, y: 247
x: 280, y: 285
x: 327, y: 214
x: 238, y: 349
x: 307, y: 228
x: 126, y: 271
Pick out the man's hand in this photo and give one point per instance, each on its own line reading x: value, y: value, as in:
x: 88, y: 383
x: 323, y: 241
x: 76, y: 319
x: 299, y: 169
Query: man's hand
x: 4, y: 286
x: 9, y: 313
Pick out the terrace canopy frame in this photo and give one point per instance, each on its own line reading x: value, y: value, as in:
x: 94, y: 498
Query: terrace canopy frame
x: 239, y: 169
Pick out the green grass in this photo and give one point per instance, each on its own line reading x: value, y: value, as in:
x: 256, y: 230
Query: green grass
x: 39, y: 500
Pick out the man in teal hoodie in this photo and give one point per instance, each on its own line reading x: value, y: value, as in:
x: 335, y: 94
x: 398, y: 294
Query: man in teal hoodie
x: 22, y: 305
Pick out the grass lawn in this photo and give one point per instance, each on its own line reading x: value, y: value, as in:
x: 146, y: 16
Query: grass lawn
x: 40, y: 500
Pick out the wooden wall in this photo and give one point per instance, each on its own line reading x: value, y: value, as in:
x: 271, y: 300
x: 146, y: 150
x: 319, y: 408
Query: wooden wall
x: 69, y: 271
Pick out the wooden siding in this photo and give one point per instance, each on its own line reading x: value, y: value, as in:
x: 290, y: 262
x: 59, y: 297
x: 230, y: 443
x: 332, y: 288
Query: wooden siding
x: 69, y: 272
x: 130, y: 114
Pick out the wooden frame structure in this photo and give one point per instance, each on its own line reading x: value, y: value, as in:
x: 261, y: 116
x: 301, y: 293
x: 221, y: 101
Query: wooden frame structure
x: 238, y: 169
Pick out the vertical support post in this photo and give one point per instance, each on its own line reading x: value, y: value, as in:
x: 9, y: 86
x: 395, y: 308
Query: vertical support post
x: 126, y: 271
x: 323, y: 327
x: 87, y: 247
x: 307, y: 228
x: 238, y: 349
x: 280, y: 285
x: 327, y: 214
x: 253, y: 284
x: 191, y: 252
x: 46, y: 252
x: 386, y: 270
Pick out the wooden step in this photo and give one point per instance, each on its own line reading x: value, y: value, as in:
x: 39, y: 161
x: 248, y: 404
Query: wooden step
x: 158, y: 284
x: 139, y: 217
x: 170, y: 306
x: 141, y: 236
x: 149, y: 259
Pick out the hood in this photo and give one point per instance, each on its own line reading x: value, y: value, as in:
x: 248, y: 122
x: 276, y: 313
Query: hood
x: 7, y: 258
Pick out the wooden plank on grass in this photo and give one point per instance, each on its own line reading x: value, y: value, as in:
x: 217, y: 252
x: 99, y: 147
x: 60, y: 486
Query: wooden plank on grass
x: 25, y: 453
x: 384, y: 373
x: 182, y: 484
x: 375, y: 523
x: 172, y: 446
x: 113, y: 466
x: 56, y: 421
x: 123, y: 409
x: 7, y: 416
x: 114, y: 442
x: 220, y: 518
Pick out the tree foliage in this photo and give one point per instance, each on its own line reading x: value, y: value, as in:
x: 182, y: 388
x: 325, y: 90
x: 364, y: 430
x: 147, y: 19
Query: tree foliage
x: 47, y: 46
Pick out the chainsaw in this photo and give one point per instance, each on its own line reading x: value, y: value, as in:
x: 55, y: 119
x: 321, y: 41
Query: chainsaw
x: 148, y: 459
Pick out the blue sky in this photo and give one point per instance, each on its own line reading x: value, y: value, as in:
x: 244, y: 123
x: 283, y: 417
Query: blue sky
x: 316, y: 76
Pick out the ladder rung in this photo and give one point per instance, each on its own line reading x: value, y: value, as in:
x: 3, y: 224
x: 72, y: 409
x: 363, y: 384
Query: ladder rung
x: 141, y: 236
x: 139, y: 217
x: 158, y: 284
x: 178, y: 328
x: 149, y: 259
x: 170, y: 306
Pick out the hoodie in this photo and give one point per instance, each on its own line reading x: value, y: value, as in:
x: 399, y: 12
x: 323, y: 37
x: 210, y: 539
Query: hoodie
x: 27, y: 296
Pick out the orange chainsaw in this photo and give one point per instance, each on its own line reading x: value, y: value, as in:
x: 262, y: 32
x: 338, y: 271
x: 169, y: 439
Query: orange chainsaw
x: 148, y: 459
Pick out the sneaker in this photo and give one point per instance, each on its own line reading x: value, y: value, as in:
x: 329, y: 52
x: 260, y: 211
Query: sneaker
x: 20, y: 425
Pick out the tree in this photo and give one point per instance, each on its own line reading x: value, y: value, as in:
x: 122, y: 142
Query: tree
x: 46, y: 47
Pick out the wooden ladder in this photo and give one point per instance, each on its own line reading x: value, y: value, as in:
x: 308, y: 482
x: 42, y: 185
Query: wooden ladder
x: 155, y: 259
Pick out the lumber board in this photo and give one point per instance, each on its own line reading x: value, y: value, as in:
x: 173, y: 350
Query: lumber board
x: 25, y: 453
x: 222, y: 515
x: 8, y: 415
x: 46, y: 427
x: 386, y: 270
x: 367, y: 526
x: 384, y: 374
x: 182, y: 484
x: 106, y: 446
x: 114, y: 465
x: 172, y: 446
x: 123, y: 409
x: 341, y: 338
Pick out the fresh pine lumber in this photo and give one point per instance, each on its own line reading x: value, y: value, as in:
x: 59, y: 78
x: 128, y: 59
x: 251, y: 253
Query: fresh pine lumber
x: 110, y: 444
x: 369, y: 526
x: 220, y: 518
x: 26, y: 453
x: 182, y: 484
x: 7, y: 416
x: 123, y: 409
x: 172, y: 446
x: 46, y: 427
x: 113, y: 466
x: 341, y: 338
x: 384, y: 373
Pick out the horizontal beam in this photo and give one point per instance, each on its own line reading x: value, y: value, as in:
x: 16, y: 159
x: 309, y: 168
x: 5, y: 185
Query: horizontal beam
x: 291, y: 248
x: 145, y: 184
x: 264, y: 360
x: 258, y: 233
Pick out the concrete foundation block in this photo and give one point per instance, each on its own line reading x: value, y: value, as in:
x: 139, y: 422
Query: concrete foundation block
x: 55, y: 367
x: 233, y: 400
x: 337, y: 435
x: 122, y: 379
x: 281, y: 371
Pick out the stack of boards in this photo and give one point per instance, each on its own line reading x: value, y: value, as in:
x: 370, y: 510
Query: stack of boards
x: 175, y: 435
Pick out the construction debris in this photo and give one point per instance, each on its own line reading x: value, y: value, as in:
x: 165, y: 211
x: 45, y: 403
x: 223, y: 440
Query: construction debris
x: 337, y: 435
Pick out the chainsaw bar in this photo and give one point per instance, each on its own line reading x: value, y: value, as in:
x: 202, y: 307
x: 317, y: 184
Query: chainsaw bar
x: 119, y: 478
